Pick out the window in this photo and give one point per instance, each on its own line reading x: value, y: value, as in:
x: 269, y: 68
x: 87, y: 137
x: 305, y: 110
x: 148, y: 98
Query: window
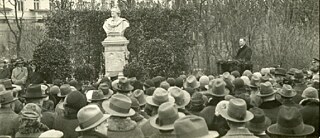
x: 20, y: 5
x: 36, y: 4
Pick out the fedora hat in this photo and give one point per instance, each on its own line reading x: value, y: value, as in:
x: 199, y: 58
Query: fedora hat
x: 290, y: 123
x: 34, y: 92
x: 7, y: 83
x: 97, y: 95
x: 264, y: 78
x: 105, y: 90
x: 191, y: 82
x: 280, y: 71
x: 254, y: 82
x: 139, y: 95
x: 159, y: 96
x: 118, y: 105
x: 236, y: 111
x: 181, y: 97
x: 123, y: 85
x: 287, y: 91
x: 65, y: 89
x: 148, y: 83
x: 298, y: 74
x: 6, y: 97
x: 266, y: 89
x: 167, y: 114
x: 292, y: 71
x: 260, y: 122
x: 89, y: 117
x: 192, y: 126
x: 218, y: 88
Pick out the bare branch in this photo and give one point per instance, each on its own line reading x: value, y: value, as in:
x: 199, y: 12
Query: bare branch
x: 7, y: 20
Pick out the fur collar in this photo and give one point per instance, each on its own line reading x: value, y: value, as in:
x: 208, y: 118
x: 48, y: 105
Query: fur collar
x: 121, y: 124
x: 309, y: 101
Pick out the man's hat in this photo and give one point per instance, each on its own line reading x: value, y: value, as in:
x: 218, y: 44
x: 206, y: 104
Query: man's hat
x: 167, y: 115
x: 236, y: 111
x: 182, y: 98
x: 298, y: 74
x: 6, y: 97
x: 254, y: 82
x: 290, y: 123
x: 65, y: 89
x: 292, y: 71
x: 159, y: 96
x: 280, y: 71
x: 191, y: 82
x: 192, y: 126
x: 89, y: 117
x: 287, y: 91
x: 218, y: 88
x: 266, y: 89
x: 310, y: 92
x: 123, y: 85
x: 97, y: 95
x: 34, y: 92
x: 118, y: 105
x: 260, y: 122
x: 139, y: 95
x: 7, y: 83
x: 107, y: 92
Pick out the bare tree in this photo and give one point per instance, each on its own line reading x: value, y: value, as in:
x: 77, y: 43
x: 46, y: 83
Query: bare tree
x: 17, y: 27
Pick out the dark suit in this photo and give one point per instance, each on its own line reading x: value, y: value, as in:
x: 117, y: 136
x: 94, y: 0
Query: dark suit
x: 244, y: 53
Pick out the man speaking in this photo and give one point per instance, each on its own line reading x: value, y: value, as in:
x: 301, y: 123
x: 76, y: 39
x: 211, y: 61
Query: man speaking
x: 244, y: 53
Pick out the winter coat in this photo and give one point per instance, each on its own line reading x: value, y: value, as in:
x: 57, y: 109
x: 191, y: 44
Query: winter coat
x: 9, y: 122
x: 216, y: 123
x: 19, y: 75
x: 48, y: 119
x: 33, y: 135
x: 67, y: 124
x: 310, y: 114
x: 244, y: 53
x: 147, y: 129
x: 5, y: 73
x: 271, y: 109
x: 123, y: 128
x: 299, y: 88
x: 290, y: 103
x: 163, y: 135
x: 239, y: 133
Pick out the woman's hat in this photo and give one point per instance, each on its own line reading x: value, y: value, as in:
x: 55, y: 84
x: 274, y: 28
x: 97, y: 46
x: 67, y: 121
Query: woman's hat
x: 34, y: 92
x: 236, y: 111
x: 123, y: 85
x: 191, y: 82
x: 118, y: 105
x: 181, y: 97
x: 159, y: 96
x: 192, y: 126
x: 218, y: 88
x: 167, y: 114
x: 139, y: 95
x: 287, y: 91
x: 266, y: 89
x: 65, y: 89
x: 290, y: 123
x: 31, y: 111
x: 310, y: 92
x: 260, y: 122
x: 90, y: 117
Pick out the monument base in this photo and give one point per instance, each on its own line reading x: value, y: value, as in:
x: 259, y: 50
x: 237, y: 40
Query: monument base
x: 115, y: 53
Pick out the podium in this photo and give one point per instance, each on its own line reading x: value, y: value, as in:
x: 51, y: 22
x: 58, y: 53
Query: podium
x: 232, y: 65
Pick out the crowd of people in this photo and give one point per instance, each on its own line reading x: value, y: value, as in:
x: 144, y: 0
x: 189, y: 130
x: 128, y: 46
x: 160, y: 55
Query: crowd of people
x: 272, y: 102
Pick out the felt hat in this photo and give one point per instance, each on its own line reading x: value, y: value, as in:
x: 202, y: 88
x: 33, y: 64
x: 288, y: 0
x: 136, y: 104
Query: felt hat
x: 167, y: 115
x: 254, y: 82
x: 204, y: 80
x: 238, y: 83
x: 292, y: 71
x: 290, y: 123
x: 287, y: 91
x: 148, y: 83
x: 298, y: 74
x: 157, y: 80
x: 218, y: 88
x: 118, y: 105
x: 264, y: 79
x: 280, y: 71
x: 236, y: 74
x: 171, y: 81
x: 7, y: 83
x: 139, y: 95
x: 264, y: 71
x: 54, y: 90
x: 34, y: 92
x: 197, y: 99
x: 75, y: 100
x: 310, y: 92
x: 31, y: 111
x: 246, y: 80
x: 181, y: 97
x: 222, y: 105
x: 150, y: 91
x: 192, y: 126
x: 236, y: 111
x: 260, y: 122
x: 159, y: 96
x: 258, y: 74
x: 134, y: 103
x: 97, y: 95
x: 165, y: 85
x: 266, y: 89
x: 6, y: 97
x: 90, y: 117
x: 74, y: 83
x: 247, y: 73
x: 123, y: 85
x: 191, y: 82
x: 179, y: 82
x: 107, y: 92
x: 211, y: 77
x: 65, y: 89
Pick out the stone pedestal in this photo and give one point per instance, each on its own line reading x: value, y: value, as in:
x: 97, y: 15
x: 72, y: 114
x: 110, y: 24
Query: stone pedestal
x: 115, y: 52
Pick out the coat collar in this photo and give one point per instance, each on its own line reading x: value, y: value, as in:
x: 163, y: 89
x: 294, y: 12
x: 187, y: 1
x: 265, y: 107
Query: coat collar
x: 238, y: 132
